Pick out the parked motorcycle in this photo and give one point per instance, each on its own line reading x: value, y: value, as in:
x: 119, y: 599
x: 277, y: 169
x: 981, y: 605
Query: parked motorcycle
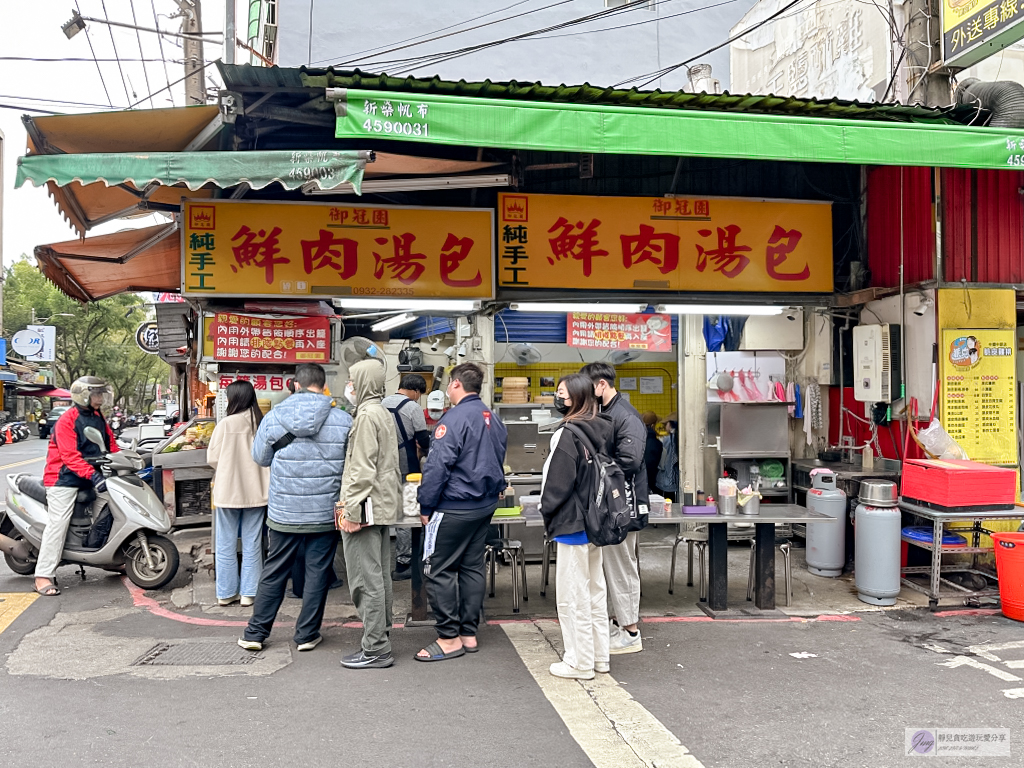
x: 120, y: 527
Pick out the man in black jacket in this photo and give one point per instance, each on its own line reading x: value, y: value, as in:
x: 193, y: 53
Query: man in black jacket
x: 621, y: 568
x: 462, y: 478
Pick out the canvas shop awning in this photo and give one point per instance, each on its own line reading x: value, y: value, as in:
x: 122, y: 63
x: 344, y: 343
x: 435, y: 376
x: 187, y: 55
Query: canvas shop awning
x: 594, y: 120
x: 146, y: 259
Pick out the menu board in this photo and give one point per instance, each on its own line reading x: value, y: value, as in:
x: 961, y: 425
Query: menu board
x: 248, y: 338
x: 978, y: 393
x: 600, y: 330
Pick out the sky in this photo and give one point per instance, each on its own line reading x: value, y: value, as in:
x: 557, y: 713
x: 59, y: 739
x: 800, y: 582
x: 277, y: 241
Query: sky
x: 33, y: 29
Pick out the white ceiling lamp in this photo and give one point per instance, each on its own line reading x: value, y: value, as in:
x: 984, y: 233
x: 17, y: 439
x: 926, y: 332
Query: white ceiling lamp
x: 371, y: 186
x: 410, y: 305
x: 720, y: 309
x: 548, y: 306
x: 390, y: 323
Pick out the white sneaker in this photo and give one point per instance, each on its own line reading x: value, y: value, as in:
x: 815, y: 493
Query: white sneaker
x: 227, y: 600
x: 311, y: 644
x: 602, y: 666
x: 250, y: 645
x: 246, y: 600
x: 621, y: 641
x: 561, y: 669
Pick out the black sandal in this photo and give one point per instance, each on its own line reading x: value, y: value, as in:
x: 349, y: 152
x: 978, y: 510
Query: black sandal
x: 437, y: 653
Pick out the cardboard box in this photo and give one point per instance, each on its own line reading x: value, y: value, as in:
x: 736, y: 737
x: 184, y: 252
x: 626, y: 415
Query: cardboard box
x: 955, y: 484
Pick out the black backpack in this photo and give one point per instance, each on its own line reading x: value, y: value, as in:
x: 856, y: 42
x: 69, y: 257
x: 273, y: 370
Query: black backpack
x: 608, y: 513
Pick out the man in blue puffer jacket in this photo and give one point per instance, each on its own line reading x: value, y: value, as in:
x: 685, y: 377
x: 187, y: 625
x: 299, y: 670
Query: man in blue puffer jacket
x: 303, y: 441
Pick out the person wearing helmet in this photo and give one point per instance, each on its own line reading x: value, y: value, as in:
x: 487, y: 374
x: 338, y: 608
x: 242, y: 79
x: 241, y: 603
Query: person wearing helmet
x: 68, y: 471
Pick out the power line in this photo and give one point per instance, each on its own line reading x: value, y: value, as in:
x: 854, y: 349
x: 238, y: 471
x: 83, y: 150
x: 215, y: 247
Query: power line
x: 92, y: 50
x: 156, y: 23
x: 110, y: 29
x: 459, y: 32
x: 170, y: 85
x: 438, y: 58
x: 667, y: 70
x: 374, y: 51
x: 54, y: 101
x: 138, y: 36
x: 43, y: 60
x: 28, y: 109
x: 638, y: 23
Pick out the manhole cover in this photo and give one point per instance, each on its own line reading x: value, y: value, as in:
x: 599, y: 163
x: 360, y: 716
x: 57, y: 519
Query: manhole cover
x: 196, y: 655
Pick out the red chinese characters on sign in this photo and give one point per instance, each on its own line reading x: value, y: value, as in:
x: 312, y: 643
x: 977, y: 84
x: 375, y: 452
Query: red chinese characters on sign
x: 330, y: 252
x: 581, y: 246
x: 259, y: 383
x: 405, y: 265
x: 659, y: 248
x: 598, y: 330
x: 260, y: 253
x: 455, y: 251
x: 728, y: 257
x: 251, y: 339
x: 780, y: 245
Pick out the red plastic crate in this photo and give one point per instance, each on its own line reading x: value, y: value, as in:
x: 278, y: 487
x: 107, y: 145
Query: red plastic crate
x: 958, y: 484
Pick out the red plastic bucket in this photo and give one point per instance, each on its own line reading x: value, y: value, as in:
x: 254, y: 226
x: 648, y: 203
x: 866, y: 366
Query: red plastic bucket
x: 1009, y: 549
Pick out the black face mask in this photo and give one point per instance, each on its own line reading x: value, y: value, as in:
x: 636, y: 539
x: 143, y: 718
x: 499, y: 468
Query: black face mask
x: 560, y: 405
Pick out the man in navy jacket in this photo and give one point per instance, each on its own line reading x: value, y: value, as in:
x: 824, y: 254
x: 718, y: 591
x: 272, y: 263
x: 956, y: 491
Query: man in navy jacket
x: 462, y: 479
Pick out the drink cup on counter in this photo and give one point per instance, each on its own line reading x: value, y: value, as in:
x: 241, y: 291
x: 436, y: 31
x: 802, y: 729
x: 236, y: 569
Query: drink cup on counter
x: 727, y: 496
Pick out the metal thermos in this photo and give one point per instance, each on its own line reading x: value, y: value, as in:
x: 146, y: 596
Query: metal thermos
x: 826, y: 542
x: 877, y: 543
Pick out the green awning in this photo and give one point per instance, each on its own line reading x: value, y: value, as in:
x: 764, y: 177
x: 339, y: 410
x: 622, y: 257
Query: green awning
x: 609, y: 129
x: 326, y: 168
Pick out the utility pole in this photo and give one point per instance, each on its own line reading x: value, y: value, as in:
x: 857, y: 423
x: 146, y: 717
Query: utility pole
x: 928, y: 79
x: 192, y: 22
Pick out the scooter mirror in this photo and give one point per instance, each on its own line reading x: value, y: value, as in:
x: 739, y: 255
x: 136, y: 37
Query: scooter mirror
x: 93, y: 435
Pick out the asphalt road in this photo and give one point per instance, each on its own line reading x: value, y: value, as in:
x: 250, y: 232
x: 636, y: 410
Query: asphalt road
x: 826, y: 693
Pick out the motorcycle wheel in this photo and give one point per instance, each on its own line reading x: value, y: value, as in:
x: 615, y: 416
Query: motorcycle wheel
x: 165, y: 560
x: 20, y: 567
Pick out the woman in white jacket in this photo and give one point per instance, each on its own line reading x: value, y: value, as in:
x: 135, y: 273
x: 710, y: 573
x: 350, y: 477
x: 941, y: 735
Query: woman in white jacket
x: 239, y: 495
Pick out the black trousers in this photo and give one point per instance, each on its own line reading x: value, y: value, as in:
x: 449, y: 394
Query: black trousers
x: 284, y: 548
x: 456, y: 583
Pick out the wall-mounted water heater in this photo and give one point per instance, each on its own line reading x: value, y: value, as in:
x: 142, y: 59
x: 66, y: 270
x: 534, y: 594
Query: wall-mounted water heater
x: 877, y: 374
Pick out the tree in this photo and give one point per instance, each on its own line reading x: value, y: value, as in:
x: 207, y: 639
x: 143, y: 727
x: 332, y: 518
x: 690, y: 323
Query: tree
x: 96, y: 339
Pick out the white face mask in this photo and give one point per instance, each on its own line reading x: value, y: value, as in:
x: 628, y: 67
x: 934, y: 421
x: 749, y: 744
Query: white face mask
x: 350, y: 393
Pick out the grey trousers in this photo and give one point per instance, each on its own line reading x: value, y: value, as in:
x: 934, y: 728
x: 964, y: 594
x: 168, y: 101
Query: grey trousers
x: 368, y: 562
x: 622, y: 574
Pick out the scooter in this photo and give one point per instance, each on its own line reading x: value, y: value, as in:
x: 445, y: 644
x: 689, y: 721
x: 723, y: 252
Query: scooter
x: 120, y: 527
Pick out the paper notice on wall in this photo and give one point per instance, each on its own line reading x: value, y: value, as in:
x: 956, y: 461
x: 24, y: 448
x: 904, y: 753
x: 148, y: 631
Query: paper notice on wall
x: 652, y: 385
x: 625, y: 396
x: 627, y: 382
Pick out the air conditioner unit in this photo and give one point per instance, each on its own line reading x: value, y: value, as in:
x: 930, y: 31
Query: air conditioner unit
x: 876, y: 356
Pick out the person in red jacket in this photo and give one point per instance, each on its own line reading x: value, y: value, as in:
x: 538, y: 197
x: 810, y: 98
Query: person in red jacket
x: 68, y: 472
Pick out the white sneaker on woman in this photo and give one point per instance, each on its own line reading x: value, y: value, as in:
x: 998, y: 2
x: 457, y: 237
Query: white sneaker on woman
x: 602, y: 666
x: 561, y: 669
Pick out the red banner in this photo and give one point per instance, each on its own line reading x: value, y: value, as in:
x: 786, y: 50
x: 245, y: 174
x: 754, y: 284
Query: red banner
x: 600, y: 330
x: 246, y: 338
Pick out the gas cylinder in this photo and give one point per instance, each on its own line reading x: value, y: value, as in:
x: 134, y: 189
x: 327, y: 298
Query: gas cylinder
x: 826, y: 542
x: 877, y: 543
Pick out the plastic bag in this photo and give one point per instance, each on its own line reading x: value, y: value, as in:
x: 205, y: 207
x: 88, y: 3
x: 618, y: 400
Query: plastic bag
x: 936, y: 441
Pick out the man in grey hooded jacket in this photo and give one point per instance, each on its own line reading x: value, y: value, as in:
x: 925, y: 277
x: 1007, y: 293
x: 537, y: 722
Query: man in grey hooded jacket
x: 371, y: 489
x: 303, y: 441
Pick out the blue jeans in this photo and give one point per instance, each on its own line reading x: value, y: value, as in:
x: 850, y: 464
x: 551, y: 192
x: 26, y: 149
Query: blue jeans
x: 234, y: 523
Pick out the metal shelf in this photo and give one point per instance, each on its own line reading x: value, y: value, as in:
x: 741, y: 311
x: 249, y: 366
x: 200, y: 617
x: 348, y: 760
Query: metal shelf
x: 947, y: 550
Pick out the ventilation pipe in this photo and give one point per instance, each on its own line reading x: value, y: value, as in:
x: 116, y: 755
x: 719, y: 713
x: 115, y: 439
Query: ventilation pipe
x: 1003, y: 100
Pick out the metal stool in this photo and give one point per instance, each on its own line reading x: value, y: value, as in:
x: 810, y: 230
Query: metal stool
x: 783, y: 546
x: 696, y: 534
x: 514, y: 549
x: 550, y: 545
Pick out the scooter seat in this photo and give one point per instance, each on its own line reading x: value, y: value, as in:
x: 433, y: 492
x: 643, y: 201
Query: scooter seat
x: 33, y: 488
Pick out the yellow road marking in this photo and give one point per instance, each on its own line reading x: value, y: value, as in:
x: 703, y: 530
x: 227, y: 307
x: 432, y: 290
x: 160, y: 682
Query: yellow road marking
x: 608, y: 724
x: 22, y: 463
x: 12, y: 605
